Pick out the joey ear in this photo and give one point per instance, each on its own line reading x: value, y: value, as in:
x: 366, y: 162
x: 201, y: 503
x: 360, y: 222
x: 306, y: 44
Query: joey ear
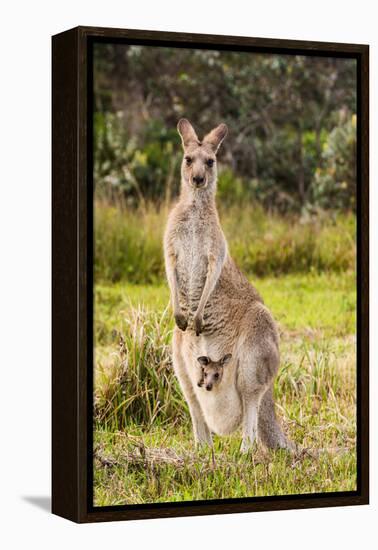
x: 226, y: 359
x: 216, y: 136
x: 203, y: 360
x: 186, y: 131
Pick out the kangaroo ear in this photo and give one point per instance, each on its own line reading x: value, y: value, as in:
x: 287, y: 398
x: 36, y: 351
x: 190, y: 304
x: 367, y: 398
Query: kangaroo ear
x: 226, y: 359
x: 203, y: 360
x: 186, y: 131
x: 216, y: 136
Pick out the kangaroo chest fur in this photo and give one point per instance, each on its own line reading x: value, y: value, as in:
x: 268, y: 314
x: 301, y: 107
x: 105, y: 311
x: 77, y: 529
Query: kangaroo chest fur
x: 198, y: 234
x: 192, y: 243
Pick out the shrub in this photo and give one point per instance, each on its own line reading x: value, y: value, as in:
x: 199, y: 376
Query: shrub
x: 134, y: 169
x: 335, y: 180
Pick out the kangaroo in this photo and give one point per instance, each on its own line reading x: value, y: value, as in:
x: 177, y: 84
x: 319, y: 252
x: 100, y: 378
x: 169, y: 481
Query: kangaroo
x: 217, y: 309
x: 211, y: 371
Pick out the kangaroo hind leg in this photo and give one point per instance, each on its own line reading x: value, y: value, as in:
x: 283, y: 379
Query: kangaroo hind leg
x: 251, y: 383
x: 251, y: 404
x: 269, y: 430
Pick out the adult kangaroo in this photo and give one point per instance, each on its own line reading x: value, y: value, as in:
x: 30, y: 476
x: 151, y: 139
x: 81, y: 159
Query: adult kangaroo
x: 217, y: 311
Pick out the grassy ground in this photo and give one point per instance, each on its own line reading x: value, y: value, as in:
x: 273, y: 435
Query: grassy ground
x: 143, y: 442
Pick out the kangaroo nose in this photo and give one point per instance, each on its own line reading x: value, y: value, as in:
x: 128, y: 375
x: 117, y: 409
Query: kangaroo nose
x: 198, y: 180
x: 208, y: 387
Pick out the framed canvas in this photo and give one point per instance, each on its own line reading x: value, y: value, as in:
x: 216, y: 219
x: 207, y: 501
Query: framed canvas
x: 210, y: 274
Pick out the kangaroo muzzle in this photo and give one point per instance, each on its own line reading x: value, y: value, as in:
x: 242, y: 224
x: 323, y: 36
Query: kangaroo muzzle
x: 199, y: 181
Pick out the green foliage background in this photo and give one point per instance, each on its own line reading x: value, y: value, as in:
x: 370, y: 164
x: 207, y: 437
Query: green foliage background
x: 292, y: 122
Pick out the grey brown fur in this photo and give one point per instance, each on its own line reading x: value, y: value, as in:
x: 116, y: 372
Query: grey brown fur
x: 217, y: 310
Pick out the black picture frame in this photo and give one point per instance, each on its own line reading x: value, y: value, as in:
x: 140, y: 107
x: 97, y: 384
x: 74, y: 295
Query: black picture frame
x: 72, y: 266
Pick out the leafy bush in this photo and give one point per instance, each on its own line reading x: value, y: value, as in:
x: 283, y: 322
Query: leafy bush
x: 231, y: 189
x: 125, y: 170
x: 335, y: 181
x: 281, y: 112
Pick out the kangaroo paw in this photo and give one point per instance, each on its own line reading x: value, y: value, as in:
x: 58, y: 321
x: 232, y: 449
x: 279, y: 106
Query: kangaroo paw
x: 198, y: 324
x: 181, y: 321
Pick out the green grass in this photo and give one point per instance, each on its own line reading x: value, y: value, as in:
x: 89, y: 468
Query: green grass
x: 127, y: 473
x: 143, y: 441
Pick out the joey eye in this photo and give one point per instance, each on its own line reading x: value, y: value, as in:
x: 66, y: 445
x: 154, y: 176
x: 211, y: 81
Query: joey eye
x: 210, y: 162
x: 188, y: 160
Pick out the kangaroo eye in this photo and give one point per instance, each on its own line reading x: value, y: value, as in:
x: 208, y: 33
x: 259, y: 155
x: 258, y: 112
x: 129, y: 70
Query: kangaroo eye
x: 188, y: 160
x: 210, y: 162
x: 216, y: 375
